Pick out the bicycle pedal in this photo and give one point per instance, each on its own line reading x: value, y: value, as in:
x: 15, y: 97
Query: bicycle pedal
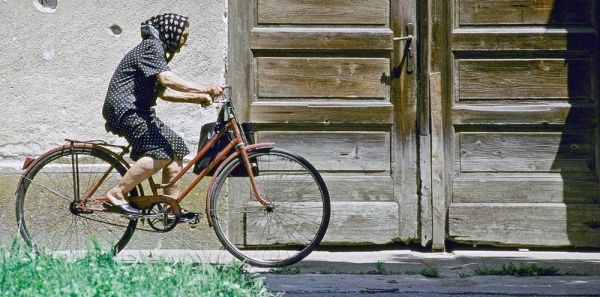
x: 192, y: 218
x: 132, y: 217
x: 190, y: 221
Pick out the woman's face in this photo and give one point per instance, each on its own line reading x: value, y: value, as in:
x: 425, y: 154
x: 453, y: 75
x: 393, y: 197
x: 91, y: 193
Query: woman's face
x: 184, y: 37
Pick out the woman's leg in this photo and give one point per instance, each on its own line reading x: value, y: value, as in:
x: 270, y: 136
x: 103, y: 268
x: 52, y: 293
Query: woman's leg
x: 141, y: 170
x: 169, y: 173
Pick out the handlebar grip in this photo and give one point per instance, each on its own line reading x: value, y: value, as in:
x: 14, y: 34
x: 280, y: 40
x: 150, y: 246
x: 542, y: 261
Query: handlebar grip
x: 223, y: 98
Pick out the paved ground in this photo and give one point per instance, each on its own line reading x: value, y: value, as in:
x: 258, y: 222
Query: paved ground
x: 398, y: 272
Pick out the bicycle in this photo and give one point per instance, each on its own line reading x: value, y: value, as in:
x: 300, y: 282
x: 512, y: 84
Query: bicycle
x: 269, y: 207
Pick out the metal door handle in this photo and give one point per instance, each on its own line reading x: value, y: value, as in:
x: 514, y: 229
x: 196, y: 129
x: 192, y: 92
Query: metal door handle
x: 408, y: 49
x: 408, y: 37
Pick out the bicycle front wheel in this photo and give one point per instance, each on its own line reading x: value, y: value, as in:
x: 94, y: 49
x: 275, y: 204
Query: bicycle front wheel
x: 47, y: 216
x: 288, y: 227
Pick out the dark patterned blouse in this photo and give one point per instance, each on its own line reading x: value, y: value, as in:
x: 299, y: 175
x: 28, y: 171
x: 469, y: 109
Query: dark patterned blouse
x: 128, y: 107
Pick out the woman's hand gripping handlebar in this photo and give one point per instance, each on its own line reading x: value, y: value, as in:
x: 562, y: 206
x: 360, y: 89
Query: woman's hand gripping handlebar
x: 224, y: 96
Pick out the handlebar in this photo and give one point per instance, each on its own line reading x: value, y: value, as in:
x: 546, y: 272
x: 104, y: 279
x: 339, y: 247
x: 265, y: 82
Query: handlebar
x: 225, y: 96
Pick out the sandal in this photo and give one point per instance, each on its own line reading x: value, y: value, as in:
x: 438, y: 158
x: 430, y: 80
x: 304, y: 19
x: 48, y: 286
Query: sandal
x: 126, y: 209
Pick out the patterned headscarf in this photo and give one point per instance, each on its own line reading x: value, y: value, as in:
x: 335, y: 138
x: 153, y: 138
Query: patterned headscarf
x: 170, y: 28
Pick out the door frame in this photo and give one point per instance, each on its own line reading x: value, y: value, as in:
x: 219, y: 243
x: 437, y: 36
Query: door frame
x: 405, y: 94
x: 434, y: 140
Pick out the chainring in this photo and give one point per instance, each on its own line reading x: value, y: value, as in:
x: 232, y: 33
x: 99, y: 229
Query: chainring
x: 161, y: 213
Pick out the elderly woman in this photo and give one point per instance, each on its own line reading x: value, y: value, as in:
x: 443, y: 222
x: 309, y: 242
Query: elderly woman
x: 143, y: 76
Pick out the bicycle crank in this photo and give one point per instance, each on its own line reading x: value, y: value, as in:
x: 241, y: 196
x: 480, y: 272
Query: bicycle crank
x: 161, y: 213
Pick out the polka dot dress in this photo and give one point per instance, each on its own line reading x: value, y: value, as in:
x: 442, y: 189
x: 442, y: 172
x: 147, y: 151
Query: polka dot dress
x: 128, y: 107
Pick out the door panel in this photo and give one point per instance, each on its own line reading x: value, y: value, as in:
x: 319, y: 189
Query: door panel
x: 514, y: 12
x: 326, y: 13
x: 523, y: 123
x: 526, y: 152
x: 524, y: 224
x: 316, y: 78
x: 338, y: 151
x: 523, y: 79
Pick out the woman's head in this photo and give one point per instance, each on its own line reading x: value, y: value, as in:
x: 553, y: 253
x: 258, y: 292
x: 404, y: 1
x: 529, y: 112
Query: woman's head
x: 173, y: 30
x: 184, y: 37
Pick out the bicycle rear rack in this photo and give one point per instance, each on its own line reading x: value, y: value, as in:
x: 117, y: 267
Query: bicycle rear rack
x: 98, y: 142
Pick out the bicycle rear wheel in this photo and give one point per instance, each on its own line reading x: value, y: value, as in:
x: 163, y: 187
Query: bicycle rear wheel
x: 46, y: 214
x: 287, y: 229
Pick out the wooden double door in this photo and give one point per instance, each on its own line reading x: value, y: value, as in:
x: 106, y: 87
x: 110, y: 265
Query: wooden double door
x: 466, y: 120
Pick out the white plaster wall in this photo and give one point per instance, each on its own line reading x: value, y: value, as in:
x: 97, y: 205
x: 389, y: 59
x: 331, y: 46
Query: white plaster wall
x: 55, y: 68
x: 54, y: 73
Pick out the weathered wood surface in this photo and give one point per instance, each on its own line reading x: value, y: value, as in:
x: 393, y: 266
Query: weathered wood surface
x: 518, y: 77
x: 526, y: 224
x: 518, y: 12
x: 326, y: 13
x: 524, y: 79
x: 526, y: 152
x: 433, y: 64
x: 426, y: 197
x: 337, y: 151
x: 465, y: 40
x: 319, y: 78
x: 352, y: 188
x: 322, y: 114
x: 314, y: 39
x: 438, y: 168
x: 239, y: 60
x: 404, y: 138
x: 362, y: 223
x: 522, y: 119
x: 540, y: 114
x: 355, y: 222
x: 525, y: 188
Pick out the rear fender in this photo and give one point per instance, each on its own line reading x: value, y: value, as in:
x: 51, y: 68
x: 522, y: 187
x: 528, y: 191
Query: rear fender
x: 29, y: 162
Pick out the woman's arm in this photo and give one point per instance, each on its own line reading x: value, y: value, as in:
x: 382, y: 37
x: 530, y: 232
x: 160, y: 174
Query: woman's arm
x: 171, y: 81
x: 172, y: 95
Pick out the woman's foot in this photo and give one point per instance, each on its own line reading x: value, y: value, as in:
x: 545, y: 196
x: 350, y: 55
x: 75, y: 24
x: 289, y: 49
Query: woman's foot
x: 115, y: 198
x: 117, y: 203
x: 126, y: 209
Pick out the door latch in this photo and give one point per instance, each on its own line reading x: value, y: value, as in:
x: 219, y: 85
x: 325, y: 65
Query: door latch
x: 409, y: 55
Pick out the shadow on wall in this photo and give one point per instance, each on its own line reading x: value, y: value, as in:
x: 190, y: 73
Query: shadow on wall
x: 576, y: 156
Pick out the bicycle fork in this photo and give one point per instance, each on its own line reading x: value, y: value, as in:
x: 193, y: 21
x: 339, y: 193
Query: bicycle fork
x: 248, y: 165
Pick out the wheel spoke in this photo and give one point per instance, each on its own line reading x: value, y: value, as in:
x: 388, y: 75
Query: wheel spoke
x: 69, y: 199
x: 54, y: 225
x: 286, y: 230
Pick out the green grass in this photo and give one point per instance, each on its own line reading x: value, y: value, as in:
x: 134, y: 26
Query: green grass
x: 381, y: 270
x: 23, y: 273
x: 432, y: 272
x: 520, y: 270
x: 285, y: 270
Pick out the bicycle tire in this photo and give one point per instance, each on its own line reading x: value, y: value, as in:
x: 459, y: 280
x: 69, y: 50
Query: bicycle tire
x: 46, y: 220
x: 285, y: 231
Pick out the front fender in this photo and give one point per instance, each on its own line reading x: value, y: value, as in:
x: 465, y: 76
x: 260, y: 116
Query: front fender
x: 248, y: 148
